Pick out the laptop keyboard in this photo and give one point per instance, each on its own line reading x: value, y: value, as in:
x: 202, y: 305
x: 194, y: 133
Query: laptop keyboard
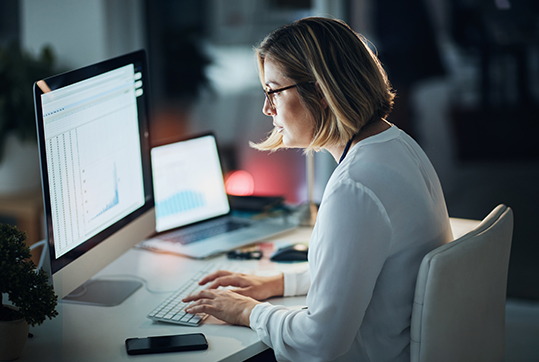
x: 201, y: 232
x: 172, y: 309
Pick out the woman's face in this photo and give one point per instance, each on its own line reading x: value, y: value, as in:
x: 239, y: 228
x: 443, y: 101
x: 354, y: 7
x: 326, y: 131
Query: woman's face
x: 290, y: 117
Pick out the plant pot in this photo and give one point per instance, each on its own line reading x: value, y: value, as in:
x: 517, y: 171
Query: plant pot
x: 13, y: 336
x: 19, y: 167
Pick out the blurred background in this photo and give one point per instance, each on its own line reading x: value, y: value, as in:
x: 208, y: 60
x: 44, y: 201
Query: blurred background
x: 466, y: 73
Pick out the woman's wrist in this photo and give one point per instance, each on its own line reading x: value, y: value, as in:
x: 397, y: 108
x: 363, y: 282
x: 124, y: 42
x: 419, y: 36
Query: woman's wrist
x: 277, y: 285
x: 246, y: 314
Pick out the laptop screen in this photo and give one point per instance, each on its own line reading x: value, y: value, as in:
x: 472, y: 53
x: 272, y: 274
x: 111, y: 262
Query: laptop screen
x: 188, y: 183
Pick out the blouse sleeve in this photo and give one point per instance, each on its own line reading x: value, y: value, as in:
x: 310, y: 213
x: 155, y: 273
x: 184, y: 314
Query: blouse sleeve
x: 297, y: 281
x: 350, y: 244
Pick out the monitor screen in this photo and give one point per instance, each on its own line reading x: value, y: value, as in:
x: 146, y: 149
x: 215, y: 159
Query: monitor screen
x: 95, y: 165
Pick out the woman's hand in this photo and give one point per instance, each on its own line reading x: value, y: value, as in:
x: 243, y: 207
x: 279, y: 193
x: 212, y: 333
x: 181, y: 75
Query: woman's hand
x: 225, y: 305
x: 257, y: 287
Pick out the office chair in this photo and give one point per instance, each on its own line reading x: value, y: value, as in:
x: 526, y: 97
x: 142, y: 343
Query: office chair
x: 459, y: 304
x: 44, y: 251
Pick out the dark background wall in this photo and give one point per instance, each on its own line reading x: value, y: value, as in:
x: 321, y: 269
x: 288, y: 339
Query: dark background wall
x: 466, y: 73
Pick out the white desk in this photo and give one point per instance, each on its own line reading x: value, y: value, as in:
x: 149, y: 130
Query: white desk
x: 90, y: 333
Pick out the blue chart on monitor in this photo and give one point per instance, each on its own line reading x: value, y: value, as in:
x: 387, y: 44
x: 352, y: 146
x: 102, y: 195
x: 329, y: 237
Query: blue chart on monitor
x: 112, y: 198
x: 180, y: 202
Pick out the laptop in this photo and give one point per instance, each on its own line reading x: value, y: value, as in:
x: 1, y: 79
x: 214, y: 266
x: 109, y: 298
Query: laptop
x: 193, y: 213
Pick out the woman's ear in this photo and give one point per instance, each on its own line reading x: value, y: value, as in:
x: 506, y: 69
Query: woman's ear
x: 323, y: 100
x: 324, y: 103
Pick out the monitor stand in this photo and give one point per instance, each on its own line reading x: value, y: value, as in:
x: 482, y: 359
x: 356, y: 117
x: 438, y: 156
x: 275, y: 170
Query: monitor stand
x: 103, y: 292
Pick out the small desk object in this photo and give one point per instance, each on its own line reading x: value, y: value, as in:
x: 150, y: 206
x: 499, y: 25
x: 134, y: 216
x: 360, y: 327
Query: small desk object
x: 92, y: 333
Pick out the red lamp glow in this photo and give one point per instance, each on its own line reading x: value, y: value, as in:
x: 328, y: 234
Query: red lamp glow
x: 239, y: 183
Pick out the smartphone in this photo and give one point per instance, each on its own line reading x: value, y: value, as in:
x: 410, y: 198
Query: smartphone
x: 160, y: 344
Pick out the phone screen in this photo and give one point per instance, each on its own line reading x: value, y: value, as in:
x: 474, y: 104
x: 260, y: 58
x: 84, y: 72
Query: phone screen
x: 159, y: 344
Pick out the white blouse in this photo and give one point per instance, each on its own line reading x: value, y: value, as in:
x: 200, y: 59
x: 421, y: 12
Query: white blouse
x: 383, y: 209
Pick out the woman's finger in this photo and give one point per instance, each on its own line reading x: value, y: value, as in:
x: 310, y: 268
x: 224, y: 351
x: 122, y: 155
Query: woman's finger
x: 222, y: 304
x: 199, y: 302
x: 200, y: 308
x: 205, y: 293
x: 233, y: 280
x: 210, y: 277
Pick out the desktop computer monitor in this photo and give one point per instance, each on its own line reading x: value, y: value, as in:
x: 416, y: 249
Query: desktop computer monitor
x: 94, y: 147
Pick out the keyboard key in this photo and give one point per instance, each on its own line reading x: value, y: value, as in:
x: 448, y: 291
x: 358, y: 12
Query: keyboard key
x: 186, y: 317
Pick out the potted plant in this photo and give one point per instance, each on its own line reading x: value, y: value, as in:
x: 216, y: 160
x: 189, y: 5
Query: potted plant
x: 18, y: 72
x: 32, y: 297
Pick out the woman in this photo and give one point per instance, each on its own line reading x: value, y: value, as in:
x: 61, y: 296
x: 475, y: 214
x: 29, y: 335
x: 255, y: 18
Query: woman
x: 382, y: 210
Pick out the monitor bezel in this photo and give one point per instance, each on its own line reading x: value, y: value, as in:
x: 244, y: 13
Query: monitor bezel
x: 146, y: 212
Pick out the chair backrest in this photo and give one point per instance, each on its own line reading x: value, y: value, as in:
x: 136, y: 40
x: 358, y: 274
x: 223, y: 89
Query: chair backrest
x: 44, y: 251
x: 459, y: 304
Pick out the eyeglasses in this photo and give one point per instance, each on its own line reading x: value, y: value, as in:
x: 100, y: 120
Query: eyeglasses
x: 269, y: 93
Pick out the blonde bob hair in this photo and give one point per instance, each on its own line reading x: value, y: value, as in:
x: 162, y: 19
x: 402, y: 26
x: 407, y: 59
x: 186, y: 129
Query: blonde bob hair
x: 328, y: 60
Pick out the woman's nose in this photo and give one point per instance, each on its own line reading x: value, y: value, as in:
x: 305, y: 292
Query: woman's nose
x: 266, y: 109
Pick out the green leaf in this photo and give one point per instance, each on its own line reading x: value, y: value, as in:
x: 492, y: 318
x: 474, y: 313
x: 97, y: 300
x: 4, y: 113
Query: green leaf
x: 26, y: 288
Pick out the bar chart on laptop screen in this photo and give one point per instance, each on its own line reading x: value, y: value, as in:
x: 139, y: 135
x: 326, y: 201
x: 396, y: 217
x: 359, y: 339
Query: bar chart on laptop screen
x: 188, y: 184
x: 181, y: 201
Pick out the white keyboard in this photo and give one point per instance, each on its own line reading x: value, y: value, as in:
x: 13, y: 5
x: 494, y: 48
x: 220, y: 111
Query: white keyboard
x: 171, y: 310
